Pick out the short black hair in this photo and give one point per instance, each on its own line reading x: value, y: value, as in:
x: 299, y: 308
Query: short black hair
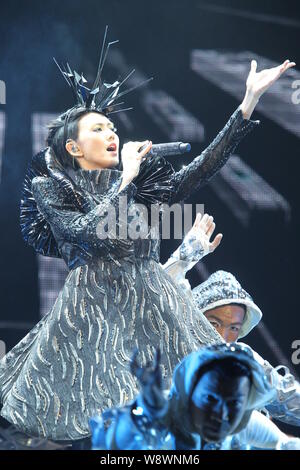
x: 59, y: 132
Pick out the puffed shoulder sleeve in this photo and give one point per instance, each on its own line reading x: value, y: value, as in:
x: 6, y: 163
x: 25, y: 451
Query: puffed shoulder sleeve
x: 69, y: 225
x: 211, y: 160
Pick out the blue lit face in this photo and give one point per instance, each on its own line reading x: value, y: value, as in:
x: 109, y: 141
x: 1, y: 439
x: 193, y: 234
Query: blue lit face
x: 218, y: 404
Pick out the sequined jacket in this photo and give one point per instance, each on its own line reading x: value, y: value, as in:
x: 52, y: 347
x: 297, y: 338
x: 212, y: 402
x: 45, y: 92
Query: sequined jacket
x: 77, y: 234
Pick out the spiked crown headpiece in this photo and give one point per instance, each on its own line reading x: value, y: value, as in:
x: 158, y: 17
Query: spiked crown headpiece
x: 153, y: 181
x: 102, y: 96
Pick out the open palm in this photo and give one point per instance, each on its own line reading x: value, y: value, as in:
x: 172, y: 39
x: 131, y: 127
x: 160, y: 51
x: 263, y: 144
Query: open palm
x: 259, y: 82
x: 203, y: 229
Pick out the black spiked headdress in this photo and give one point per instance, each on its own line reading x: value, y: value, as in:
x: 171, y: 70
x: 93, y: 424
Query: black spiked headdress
x: 101, y: 96
x: 154, y: 179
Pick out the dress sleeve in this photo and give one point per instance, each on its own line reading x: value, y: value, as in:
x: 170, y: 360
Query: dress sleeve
x: 210, y: 161
x: 261, y: 432
x: 285, y: 404
x: 72, y: 227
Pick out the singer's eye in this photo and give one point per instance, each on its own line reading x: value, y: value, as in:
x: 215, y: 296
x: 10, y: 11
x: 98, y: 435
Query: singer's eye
x: 114, y: 129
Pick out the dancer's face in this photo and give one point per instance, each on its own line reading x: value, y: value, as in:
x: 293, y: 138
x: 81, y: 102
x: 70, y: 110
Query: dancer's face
x: 227, y: 320
x: 96, y: 134
x: 218, y: 405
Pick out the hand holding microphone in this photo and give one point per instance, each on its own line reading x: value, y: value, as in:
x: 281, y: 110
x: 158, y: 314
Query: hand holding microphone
x: 168, y: 149
x: 134, y: 153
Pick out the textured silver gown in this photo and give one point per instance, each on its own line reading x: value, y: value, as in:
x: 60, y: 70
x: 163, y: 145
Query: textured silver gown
x: 75, y: 362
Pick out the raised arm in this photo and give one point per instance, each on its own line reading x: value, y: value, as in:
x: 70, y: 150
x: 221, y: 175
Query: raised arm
x: 211, y: 160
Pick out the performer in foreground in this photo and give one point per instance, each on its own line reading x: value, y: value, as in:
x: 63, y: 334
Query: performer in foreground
x: 75, y: 362
x: 211, y: 405
x: 231, y: 311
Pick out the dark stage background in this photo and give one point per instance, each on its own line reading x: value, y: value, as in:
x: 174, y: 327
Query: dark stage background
x: 198, y: 53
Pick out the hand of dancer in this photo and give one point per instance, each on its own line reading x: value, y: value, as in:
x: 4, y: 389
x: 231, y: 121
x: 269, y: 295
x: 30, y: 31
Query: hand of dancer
x: 150, y: 383
x: 131, y: 159
x: 259, y: 82
x: 196, y: 243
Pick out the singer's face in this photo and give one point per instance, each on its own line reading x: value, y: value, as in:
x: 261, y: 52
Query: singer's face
x: 98, y: 142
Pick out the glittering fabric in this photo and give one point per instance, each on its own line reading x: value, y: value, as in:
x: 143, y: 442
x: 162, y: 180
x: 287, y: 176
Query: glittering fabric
x: 35, y: 229
x: 220, y: 286
x: 211, y: 160
x: 116, y: 298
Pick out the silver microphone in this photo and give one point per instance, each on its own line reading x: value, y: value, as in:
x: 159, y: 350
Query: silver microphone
x: 167, y: 149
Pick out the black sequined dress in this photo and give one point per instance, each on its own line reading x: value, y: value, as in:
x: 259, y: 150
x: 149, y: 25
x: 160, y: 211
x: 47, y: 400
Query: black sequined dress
x: 75, y: 362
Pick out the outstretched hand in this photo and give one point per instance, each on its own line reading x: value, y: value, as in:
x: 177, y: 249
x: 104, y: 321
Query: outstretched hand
x: 203, y: 229
x: 258, y: 82
x: 150, y: 374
